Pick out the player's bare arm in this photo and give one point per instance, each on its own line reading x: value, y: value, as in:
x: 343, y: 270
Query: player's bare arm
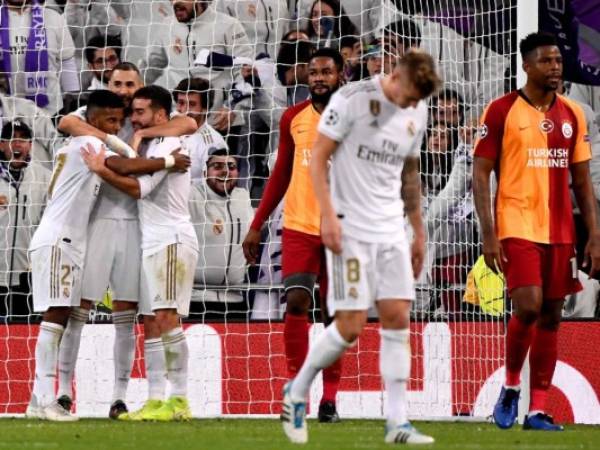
x: 331, y: 229
x: 96, y: 163
x: 74, y: 126
x: 492, y: 251
x: 411, y: 196
x: 178, y: 126
x: 582, y: 187
x: 141, y: 166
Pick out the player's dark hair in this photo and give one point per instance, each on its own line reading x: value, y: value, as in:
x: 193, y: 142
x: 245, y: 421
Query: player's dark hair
x: 159, y: 97
x: 102, y: 99
x: 127, y: 67
x: 421, y: 71
x: 98, y: 42
x: 336, y: 56
x: 198, y: 86
x: 535, y: 40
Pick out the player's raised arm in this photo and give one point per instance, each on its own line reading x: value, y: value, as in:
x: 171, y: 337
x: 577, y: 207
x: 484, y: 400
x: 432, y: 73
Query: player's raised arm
x: 331, y: 230
x: 179, y: 125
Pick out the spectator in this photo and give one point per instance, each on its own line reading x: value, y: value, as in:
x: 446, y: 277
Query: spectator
x: 367, y: 16
x: 436, y: 160
x: 102, y: 53
x: 451, y: 224
x: 586, y: 95
x: 351, y: 51
x: 295, y: 35
x: 197, y: 25
x: 40, y: 66
x: 448, y: 107
x: 292, y: 69
x: 264, y: 22
x: 402, y: 35
x: 328, y: 24
x: 192, y: 97
x: 221, y: 213
x: 23, y: 187
x: 44, y: 133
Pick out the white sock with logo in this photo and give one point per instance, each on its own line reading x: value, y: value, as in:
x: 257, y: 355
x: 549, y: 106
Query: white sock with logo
x: 46, y: 360
x: 69, y: 349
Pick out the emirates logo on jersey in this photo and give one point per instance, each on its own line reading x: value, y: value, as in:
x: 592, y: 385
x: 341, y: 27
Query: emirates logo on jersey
x: 567, y: 130
x: 546, y: 126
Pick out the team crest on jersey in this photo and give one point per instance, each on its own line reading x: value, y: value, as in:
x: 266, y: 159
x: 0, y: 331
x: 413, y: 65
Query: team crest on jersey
x: 546, y: 126
x: 178, y: 46
x: 218, y: 226
x: 353, y: 292
x: 567, y: 130
x: 483, y: 131
x: 375, y: 107
x: 412, y: 129
x: 66, y: 292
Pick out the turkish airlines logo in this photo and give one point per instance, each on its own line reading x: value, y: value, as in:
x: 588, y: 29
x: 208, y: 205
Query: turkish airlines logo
x: 546, y: 126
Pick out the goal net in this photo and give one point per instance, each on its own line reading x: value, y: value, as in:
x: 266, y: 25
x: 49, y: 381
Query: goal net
x: 253, y: 55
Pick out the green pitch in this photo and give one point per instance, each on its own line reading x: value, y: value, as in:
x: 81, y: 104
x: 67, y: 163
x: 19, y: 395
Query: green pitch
x: 251, y: 434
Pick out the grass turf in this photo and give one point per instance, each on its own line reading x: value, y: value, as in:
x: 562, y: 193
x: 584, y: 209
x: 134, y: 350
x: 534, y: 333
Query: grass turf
x: 253, y: 434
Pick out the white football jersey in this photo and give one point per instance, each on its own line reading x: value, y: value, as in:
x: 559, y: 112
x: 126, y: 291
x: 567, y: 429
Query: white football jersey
x: 198, y: 146
x: 112, y: 203
x: 375, y: 137
x: 72, y: 194
x: 163, y: 210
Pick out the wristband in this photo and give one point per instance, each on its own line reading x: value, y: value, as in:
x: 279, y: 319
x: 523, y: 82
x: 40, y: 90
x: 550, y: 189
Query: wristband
x: 169, y: 161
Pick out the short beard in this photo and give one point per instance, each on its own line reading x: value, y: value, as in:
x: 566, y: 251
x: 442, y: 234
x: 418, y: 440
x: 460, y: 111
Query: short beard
x: 321, y: 98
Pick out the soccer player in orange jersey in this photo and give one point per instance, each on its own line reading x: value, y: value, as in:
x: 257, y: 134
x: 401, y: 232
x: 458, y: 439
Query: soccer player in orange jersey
x: 303, y: 257
x: 534, y: 139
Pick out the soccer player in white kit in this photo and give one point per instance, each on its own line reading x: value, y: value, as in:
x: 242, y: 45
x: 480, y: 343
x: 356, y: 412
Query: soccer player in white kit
x: 114, y: 248
x: 57, y: 250
x: 372, y: 131
x: 169, y: 256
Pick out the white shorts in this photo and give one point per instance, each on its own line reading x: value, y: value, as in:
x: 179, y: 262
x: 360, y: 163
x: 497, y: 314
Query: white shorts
x: 113, y: 259
x: 366, y: 272
x: 167, y: 279
x: 55, y: 278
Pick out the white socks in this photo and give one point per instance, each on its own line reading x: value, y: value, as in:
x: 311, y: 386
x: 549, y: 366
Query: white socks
x: 123, y: 351
x: 154, y: 357
x: 68, y: 350
x: 394, y: 365
x: 46, y: 357
x: 329, y: 346
x: 176, y: 356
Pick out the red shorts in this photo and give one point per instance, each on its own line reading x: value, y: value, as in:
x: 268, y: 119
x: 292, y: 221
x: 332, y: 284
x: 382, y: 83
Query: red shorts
x: 552, y: 267
x: 303, y: 253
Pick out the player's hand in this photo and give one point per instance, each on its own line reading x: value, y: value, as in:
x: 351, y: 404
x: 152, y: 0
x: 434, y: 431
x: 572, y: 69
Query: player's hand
x: 94, y: 161
x: 182, y: 161
x: 417, y: 254
x: 251, y: 245
x: 493, y: 254
x: 223, y: 119
x: 136, y: 141
x: 591, y: 254
x: 331, y: 233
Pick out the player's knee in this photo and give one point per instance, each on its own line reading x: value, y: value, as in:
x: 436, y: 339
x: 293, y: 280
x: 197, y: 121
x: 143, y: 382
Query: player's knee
x: 299, y: 289
x: 350, y: 324
x: 151, y: 327
x: 58, y: 315
x: 297, y: 301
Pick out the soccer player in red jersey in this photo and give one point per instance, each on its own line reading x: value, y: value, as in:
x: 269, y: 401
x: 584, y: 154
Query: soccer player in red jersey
x: 303, y: 257
x: 534, y: 139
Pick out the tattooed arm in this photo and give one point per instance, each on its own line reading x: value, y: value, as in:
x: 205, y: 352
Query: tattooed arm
x: 411, y: 195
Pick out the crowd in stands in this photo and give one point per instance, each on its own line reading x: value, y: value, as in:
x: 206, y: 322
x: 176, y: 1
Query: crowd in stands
x: 234, y: 66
